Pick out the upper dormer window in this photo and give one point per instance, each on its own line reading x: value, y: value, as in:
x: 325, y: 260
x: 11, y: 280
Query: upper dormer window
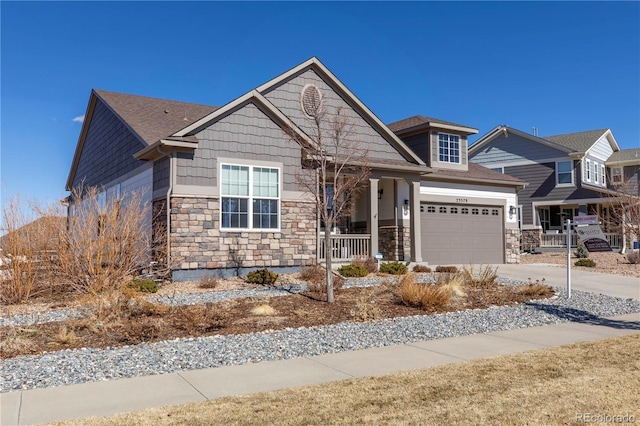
x: 564, y: 173
x: 448, y: 148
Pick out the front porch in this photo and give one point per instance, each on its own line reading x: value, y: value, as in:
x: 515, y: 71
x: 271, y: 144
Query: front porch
x: 384, y: 219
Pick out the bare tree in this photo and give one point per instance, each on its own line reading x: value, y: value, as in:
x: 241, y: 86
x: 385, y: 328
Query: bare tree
x: 624, y: 213
x: 335, y: 164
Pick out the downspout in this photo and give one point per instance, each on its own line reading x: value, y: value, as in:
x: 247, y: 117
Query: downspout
x: 169, y: 155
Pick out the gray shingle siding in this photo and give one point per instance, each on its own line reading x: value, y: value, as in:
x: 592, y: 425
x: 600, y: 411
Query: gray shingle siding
x: 286, y: 97
x: 420, y: 145
x: 245, y: 134
x: 108, y: 150
x: 542, y: 186
x: 161, y: 170
x: 513, y: 149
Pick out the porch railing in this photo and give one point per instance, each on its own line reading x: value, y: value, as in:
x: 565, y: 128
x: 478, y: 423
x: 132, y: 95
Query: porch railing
x: 345, y: 247
x: 559, y: 240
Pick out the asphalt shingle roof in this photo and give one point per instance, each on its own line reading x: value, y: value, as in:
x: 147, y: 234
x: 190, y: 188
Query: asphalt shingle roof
x: 477, y: 172
x: 579, y: 141
x: 153, y: 118
x: 625, y: 155
x: 417, y: 120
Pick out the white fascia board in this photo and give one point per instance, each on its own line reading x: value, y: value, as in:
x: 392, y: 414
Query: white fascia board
x: 491, y: 135
x: 345, y: 91
x: 525, y: 162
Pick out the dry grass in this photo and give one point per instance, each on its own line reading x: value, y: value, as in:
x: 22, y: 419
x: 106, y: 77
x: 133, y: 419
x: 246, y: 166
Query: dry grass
x: 535, y: 289
x: 426, y: 296
x: 264, y: 310
x: 208, y: 282
x: 202, y: 318
x: 549, y: 386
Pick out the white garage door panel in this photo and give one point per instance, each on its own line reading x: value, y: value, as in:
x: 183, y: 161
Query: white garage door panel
x: 461, y: 234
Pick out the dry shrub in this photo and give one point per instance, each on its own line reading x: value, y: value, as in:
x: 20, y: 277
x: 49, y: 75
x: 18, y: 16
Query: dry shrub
x: 64, y: 336
x: 633, y: 257
x: 367, y: 263
x: 316, y: 279
x: 313, y: 274
x: 109, y: 240
x: 366, y: 308
x: 486, y: 276
x: 536, y: 289
x: 28, y: 257
x: 16, y: 340
x: 447, y: 269
x: 264, y: 310
x: 208, y: 282
x: 426, y: 296
x: 201, y: 318
x: 422, y: 269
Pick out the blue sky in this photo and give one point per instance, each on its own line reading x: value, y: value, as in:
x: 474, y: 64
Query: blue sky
x: 561, y: 67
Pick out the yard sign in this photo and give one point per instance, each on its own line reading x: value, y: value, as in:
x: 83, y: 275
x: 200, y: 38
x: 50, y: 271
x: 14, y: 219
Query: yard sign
x: 593, y: 238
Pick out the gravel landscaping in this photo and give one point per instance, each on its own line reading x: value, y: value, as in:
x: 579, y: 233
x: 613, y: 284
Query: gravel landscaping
x: 88, y: 365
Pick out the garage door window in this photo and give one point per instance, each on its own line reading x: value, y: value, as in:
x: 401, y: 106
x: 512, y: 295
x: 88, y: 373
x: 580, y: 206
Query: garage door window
x: 475, y: 211
x: 431, y: 209
x: 464, y: 210
x: 485, y: 211
x: 494, y: 212
x: 443, y: 209
x: 454, y: 210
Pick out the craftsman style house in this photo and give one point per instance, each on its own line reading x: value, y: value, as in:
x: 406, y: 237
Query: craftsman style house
x: 223, y: 180
x: 568, y: 175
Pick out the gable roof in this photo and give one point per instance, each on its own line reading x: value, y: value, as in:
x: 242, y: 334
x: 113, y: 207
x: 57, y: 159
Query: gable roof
x: 579, y: 141
x: 477, y: 173
x: 152, y: 118
x: 418, y: 121
x: 503, y: 129
x: 315, y: 64
x: 630, y: 156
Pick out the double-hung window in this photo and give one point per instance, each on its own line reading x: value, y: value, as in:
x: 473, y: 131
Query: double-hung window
x: 250, y: 197
x: 587, y: 169
x: 596, y: 173
x: 448, y: 148
x: 564, y: 173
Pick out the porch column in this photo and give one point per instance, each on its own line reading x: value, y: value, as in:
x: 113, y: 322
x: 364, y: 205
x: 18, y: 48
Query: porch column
x: 373, y: 215
x: 414, y: 202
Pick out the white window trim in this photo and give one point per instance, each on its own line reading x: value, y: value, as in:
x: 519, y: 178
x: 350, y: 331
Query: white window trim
x: 573, y: 182
x: 587, y: 169
x: 449, y: 149
x: 616, y: 175
x: 596, y: 173
x: 603, y: 175
x: 251, y: 165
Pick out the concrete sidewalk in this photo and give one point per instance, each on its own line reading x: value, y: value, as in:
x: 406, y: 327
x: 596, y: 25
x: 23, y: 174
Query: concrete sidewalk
x: 125, y: 395
x: 118, y: 396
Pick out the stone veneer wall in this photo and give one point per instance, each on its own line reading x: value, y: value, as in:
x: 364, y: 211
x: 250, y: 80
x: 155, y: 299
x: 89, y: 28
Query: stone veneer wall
x: 198, y: 243
x: 512, y: 246
x: 394, y: 242
x: 531, y: 239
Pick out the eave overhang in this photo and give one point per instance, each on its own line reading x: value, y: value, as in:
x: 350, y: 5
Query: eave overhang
x: 164, y: 147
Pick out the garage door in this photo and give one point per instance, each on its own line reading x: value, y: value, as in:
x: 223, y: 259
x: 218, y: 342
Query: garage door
x: 458, y: 234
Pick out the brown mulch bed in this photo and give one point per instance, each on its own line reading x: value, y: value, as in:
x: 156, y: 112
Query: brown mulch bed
x: 130, y: 323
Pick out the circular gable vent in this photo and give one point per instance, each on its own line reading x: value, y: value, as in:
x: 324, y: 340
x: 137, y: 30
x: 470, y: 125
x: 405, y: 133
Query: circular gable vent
x: 310, y: 100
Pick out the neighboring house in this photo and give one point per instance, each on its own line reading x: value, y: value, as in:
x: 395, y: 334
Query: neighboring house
x: 228, y: 175
x: 623, y: 170
x: 568, y: 175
